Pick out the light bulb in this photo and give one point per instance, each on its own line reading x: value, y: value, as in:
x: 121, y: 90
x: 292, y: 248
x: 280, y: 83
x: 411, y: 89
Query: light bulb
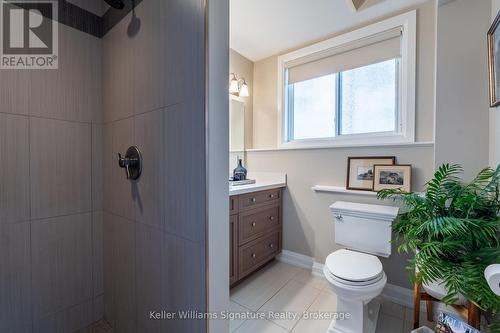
x: 244, y: 90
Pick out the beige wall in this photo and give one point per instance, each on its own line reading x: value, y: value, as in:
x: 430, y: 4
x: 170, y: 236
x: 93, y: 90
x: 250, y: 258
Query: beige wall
x: 264, y: 106
x: 265, y: 85
x: 308, y: 223
x: 308, y: 226
x: 243, y: 68
x: 494, y: 112
x: 462, y: 85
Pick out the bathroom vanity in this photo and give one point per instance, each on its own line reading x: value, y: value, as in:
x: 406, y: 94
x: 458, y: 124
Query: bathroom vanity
x: 255, y: 227
x: 255, y: 209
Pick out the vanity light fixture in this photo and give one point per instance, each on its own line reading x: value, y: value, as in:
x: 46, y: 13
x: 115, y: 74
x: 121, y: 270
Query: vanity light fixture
x: 233, y: 85
x: 238, y: 87
x: 244, y: 89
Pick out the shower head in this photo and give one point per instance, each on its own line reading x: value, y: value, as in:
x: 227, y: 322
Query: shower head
x: 116, y: 4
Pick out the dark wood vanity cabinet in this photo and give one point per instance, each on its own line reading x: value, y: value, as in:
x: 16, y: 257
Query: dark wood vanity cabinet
x: 255, y: 231
x: 233, y: 255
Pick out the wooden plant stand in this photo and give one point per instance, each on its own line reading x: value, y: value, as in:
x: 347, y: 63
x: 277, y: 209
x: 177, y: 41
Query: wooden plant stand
x: 471, y: 312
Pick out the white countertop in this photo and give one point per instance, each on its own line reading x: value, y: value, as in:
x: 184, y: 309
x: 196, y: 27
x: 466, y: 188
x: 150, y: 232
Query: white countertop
x: 263, y: 181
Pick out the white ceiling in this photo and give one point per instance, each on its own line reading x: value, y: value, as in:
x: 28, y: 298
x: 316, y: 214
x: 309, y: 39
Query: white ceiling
x: 262, y: 28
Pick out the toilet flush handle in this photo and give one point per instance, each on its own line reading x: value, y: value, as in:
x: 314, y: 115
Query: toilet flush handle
x: 339, y: 218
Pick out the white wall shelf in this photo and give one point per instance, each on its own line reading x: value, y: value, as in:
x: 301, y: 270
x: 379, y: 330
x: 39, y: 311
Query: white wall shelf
x: 342, y: 190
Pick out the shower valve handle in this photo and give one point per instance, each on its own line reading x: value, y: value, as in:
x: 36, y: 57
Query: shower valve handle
x: 124, y: 163
x: 132, y: 163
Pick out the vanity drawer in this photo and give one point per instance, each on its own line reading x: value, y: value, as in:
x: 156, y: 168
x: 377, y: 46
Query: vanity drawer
x: 258, y: 252
x: 233, y: 249
x: 257, y: 222
x: 257, y: 199
x: 233, y: 205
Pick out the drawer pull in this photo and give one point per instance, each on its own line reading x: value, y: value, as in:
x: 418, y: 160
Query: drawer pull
x: 271, y: 218
x: 253, y: 224
x: 254, y: 256
x: 253, y: 199
x: 271, y: 196
x: 271, y: 245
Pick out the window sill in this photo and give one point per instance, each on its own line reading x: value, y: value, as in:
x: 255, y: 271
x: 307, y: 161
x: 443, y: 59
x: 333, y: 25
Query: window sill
x: 342, y: 146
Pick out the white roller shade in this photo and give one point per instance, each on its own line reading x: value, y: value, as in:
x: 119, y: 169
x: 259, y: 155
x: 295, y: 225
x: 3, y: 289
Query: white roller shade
x: 371, y: 50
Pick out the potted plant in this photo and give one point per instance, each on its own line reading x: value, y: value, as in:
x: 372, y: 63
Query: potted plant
x: 452, y: 230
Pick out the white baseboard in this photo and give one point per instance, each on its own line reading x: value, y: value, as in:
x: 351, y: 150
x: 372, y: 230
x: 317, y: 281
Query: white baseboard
x: 393, y: 293
x: 296, y: 259
x: 318, y: 269
x: 399, y: 295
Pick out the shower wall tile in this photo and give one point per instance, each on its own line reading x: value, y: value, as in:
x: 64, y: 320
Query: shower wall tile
x: 148, y: 65
x: 149, y: 206
x: 71, y: 319
x: 97, y: 255
x: 117, y: 73
x: 60, y: 167
x: 97, y: 167
x: 73, y: 91
x: 62, y: 263
x: 109, y: 240
x: 148, y: 277
x: 15, y: 87
x: 107, y: 162
x: 153, y: 239
x: 183, y: 23
x: 98, y: 308
x: 14, y: 168
x: 183, y: 287
x: 124, y: 191
x: 119, y: 273
x: 15, y: 275
x: 47, y: 269
x: 134, y: 64
x: 184, y: 165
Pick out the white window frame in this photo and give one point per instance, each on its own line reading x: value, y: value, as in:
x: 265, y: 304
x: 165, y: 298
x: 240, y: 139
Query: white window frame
x: 406, y: 79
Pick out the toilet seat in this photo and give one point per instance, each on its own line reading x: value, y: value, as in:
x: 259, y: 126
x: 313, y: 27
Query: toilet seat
x: 354, y: 268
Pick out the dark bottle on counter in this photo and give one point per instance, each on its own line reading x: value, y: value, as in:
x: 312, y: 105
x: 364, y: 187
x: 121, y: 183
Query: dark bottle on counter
x: 239, y: 173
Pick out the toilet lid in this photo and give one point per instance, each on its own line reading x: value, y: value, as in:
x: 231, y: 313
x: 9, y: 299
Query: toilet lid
x: 354, y: 266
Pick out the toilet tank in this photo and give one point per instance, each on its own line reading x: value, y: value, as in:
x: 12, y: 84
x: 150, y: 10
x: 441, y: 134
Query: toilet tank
x: 363, y: 227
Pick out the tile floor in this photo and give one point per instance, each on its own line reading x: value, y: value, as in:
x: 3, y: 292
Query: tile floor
x: 282, y: 287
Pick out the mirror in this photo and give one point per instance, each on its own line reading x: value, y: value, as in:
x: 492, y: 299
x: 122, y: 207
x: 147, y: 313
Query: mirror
x: 236, y: 133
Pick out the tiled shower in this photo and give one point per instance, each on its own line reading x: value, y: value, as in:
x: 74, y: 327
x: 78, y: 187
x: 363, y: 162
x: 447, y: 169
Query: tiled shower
x: 78, y: 241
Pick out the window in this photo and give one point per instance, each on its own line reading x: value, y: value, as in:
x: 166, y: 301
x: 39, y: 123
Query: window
x: 353, y: 89
x: 368, y: 99
x: 313, y: 108
x: 361, y: 100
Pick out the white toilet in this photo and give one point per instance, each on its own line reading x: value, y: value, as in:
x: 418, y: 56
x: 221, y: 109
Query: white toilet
x: 355, y: 273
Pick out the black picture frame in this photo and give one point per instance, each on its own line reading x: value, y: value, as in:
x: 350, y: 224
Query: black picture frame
x: 493, y: 38
x: 367, y: 161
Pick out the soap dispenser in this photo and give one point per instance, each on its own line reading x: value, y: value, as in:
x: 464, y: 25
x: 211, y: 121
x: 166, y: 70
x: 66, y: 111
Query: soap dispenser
x: 239, y: 173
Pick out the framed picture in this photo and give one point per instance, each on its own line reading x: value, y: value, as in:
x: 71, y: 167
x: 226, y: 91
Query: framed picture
x: 494, y: 62
x: 360, y: 171
x: 392, y: 177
